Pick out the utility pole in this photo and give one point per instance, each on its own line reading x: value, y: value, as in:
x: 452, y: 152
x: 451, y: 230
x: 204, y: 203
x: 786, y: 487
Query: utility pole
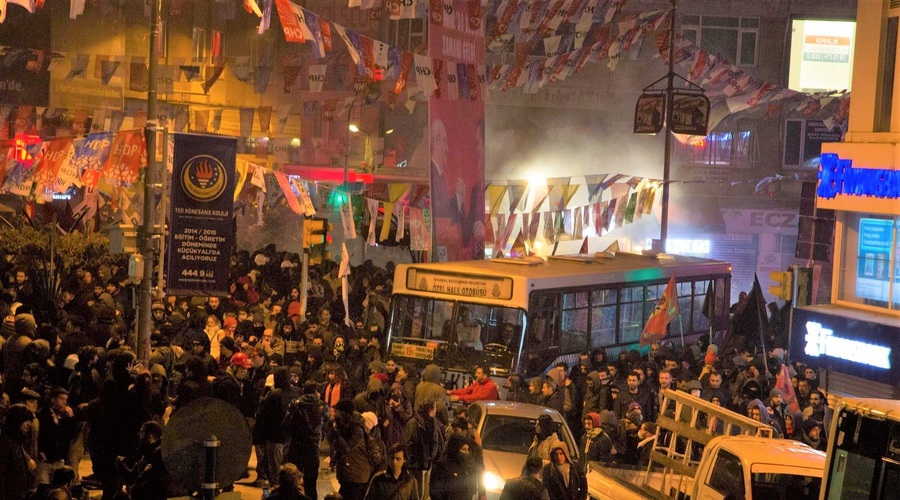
x: 667, y: 155
x: 147, y: 230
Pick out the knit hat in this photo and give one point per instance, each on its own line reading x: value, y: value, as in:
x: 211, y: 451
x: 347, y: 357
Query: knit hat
x: 634, y: 417
x: 369, y: 420
x: 595, y: 419
x: 808, y: 425
x: 776, y: 392
x: 382, y: 377
x: 25, y: 324
x: 157, y: 306
x: 694, y: 384
x: 229, y: 321
x: 240, y: 359
x: 634, y: 406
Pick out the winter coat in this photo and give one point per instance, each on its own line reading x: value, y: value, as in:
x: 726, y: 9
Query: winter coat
x: 455, y: 476
x: 350, y: 455
x: 543, y: 447
x: 384, y: 486
x: 556, y: 483
x: 424, y: 438
x: 596, y: 398
x: 524, y: 487
x: 272, y: 410
x: 430, y: 389
x: 303, y: 423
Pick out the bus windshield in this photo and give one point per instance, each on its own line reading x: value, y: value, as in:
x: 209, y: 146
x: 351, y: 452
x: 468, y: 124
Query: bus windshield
x: 456, y: 334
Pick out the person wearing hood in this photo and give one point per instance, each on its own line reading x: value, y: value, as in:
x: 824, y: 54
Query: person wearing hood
x: 545, y: 438
x: 17, y: 468
x: 596, y: 394
x: 372, y: 398
x: 375, y: 447
x: 756, y: 410
x: 811, y: 434
x: 647, y: 436
x: 394, y: 482
x: 595, y: 444
x: 312, y: 369
x: 562, y: 478
x: 397, y: 413
x: 793, y: 425
x: 430, y: 389
x: 455, y: 476
x: 304, y: 423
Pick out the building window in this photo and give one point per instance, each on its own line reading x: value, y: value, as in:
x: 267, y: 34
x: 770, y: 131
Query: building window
x: 732, y: 38
x: 869, y: 273
x: 718, y: 148
x: 407, y: 34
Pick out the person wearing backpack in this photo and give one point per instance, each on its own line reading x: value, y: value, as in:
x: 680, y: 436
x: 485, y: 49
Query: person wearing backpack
x: 303, y: 424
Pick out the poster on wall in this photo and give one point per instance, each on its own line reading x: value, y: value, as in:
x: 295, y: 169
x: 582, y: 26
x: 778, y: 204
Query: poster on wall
x: 456, y: 125
x: 201, y: 232
x: 821, y: 55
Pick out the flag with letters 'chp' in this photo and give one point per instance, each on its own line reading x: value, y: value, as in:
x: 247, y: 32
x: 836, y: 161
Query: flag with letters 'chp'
x: 666, y: 310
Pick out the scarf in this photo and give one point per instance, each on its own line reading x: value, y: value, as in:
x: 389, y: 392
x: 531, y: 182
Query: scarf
x: 591, y: 436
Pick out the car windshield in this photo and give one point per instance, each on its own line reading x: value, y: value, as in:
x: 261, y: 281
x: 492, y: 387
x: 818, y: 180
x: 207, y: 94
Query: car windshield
x: 785, y: 486
x: 507, y: 433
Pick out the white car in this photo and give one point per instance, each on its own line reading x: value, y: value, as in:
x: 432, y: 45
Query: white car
x: 507, y: 431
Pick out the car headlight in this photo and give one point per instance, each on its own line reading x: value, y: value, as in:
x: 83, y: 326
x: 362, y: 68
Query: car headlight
x: 493, y: 481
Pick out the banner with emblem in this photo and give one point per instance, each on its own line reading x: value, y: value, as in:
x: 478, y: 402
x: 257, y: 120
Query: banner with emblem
x: 201, y: 234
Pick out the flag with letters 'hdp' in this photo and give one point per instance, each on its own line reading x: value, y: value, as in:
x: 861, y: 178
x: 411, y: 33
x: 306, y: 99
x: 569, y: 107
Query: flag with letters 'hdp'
x: 666, y: 310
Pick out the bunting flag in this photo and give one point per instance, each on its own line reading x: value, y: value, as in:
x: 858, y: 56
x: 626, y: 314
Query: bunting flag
x: 549, y: 228
x: 629, y: 210
x: 666, y: 310
x: 533, y: 226
x: 241, y: 168
x: 289, y: 195
x: 258, y: 179
x: 488, y: 228
x: 400, y: 212
x: 126, y: 157
x: 578, y: 223
x: 372, y: 206
x: 518, y: 247
x: 517, y: 190
x: 419, y: 232
x: 342, y: 32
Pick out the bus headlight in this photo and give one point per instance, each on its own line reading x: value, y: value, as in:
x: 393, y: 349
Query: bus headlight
x: 493, y: 482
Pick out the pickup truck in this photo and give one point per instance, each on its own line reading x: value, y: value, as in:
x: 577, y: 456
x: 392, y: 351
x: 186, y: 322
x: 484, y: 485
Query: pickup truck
x: 705, y: 452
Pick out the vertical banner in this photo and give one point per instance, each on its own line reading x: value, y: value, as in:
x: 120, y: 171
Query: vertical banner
x: 457, y: 169
x: 201, y: 233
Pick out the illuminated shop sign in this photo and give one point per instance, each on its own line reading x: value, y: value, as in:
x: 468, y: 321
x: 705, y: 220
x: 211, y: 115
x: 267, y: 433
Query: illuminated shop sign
x: 821, y: 341
x: 859, y: 344
x: 837, y: 176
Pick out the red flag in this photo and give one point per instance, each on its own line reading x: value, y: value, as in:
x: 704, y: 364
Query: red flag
x: 666, y: 310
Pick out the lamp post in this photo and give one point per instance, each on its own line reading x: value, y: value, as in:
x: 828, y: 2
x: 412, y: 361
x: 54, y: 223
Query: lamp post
x: 147, y: 231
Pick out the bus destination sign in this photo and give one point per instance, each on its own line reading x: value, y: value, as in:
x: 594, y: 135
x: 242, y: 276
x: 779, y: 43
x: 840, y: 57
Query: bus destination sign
x: 412, y: 351
x: 460, y: 285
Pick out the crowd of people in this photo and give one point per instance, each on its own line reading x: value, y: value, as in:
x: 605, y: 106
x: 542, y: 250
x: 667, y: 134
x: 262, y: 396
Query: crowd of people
x: 315, y: 388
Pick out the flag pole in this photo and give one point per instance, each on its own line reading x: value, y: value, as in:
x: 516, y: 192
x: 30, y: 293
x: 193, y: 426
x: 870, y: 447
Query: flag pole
x: 680, y: 328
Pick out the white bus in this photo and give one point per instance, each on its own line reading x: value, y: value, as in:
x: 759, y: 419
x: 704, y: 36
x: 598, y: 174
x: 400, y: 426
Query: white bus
x: 522, y: 315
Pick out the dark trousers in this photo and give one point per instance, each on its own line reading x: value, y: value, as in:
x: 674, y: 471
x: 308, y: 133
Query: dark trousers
x: 352, y: 491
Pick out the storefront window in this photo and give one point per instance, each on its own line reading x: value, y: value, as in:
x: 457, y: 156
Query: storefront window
x: 869, y: 269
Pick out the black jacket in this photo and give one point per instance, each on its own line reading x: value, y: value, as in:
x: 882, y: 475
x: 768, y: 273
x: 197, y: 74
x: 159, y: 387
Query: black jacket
x: 556, y: 484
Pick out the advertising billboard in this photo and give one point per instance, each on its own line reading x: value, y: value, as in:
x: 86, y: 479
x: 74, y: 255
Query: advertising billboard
x: 873, y: 254
x: 821, y: 55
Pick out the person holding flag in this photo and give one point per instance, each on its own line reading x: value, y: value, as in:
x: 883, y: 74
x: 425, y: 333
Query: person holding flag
x: 666, y: 310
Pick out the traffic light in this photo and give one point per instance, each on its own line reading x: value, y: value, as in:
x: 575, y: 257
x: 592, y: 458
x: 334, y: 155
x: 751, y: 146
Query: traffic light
x: 316, y: 239
x: 784, y: 284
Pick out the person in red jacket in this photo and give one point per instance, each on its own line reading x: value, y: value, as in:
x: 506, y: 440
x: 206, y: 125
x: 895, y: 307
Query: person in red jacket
x: 482, y: 389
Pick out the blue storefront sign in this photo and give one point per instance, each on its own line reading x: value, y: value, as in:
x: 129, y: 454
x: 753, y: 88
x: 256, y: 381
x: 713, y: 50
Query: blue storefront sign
x: 838, y: 343
x: 201, y: 231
